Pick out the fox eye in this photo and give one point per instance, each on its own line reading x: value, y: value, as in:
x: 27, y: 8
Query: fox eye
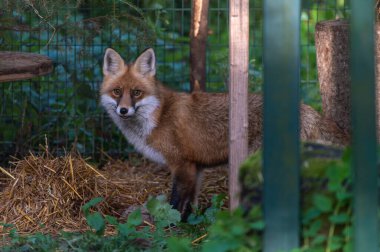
x: 117, y: 92
x: 136, y: 92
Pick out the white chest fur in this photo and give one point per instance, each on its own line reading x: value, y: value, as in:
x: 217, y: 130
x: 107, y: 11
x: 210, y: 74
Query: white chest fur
x: 138, y: 127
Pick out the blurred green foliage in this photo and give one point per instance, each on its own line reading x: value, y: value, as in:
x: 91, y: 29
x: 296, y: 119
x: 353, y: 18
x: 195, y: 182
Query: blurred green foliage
x: 326, y: 196
x: 64, y: 106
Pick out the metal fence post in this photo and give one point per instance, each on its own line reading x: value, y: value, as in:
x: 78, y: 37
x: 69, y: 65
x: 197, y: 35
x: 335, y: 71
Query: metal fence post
x: 365, y: 174
x: 281, y: 124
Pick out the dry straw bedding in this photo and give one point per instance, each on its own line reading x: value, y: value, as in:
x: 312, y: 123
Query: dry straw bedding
x: 45, y: 193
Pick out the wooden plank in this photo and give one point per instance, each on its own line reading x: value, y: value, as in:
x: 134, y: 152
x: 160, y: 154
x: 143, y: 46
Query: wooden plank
x: 21, y: 66
x: 281, y: 124
x: 365, y: 175
x: 239, y: 53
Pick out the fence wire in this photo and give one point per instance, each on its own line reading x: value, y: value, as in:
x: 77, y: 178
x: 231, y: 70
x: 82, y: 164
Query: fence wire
x: 63, y: 107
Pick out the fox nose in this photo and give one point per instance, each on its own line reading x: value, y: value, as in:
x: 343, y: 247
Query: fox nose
x: 123, y: 111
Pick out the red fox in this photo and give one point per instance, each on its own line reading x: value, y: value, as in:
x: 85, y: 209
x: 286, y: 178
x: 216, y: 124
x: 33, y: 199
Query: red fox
x: 185, y: 132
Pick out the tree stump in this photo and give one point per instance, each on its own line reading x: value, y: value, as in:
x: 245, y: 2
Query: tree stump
x: 333, y: 61
x: 332, y: 45
x: 20, y: 66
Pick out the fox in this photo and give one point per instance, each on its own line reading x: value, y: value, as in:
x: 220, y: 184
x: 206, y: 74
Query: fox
x: 186, y: 132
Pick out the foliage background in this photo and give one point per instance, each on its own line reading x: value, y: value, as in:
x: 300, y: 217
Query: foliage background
x: 64, y: 106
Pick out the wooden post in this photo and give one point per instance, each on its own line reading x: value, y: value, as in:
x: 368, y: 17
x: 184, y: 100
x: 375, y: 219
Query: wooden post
x: 281, y: 124
x: 238, y: 88
x: 377, y: 76
x: 332, y: 45
x: 365, y: 170
x: 198, y: 45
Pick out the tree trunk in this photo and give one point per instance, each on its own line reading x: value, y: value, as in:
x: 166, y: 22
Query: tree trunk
x: 198, y: 43
x: 333, y: 60
x: 332, y: 45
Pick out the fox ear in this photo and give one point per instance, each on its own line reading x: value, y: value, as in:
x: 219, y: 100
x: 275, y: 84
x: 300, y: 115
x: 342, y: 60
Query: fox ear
x: 146, y: 63
x: 112, y: 63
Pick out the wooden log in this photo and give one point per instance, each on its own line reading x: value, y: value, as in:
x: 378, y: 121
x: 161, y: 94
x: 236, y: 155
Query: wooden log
x: 238, y: 88
x: 21, y: 66
x: 333, y: 61
x: 332, y: 45
x: 198, y: 45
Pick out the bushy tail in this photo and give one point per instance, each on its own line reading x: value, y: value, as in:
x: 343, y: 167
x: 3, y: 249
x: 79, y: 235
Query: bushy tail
x: 316, y: 128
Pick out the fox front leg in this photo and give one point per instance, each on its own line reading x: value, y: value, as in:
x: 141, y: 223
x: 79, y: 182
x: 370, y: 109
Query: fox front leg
x: 185, y: 187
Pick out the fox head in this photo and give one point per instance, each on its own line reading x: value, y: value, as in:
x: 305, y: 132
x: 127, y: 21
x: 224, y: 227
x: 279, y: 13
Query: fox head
x: 129, y: 90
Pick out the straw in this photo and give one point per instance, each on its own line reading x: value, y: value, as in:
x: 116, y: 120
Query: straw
x: 45, y: 193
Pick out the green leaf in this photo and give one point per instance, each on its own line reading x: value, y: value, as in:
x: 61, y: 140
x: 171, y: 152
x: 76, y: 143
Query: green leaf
x: 238, y: 230
x: 322, y: 203
x: 348, y: 247
x: 96, y: 222
x: 216, y: 245
x: 258, y: 225
x: 340, y: 218
x: 135, y: 218
x: 347, y: 155
x: 319, y: 239
x: 194, y: 219
x: 162, y: 212
x: 218, y: 200
x: 15, y: 237
x: 112, y: 220
x: 348, y: 232
x: 86, y: 207
x: 179, y: 244
x: 313, y: 229
x: 310, y: 215
x: 6, y: 225
x: 334, y: 186
x: 343, y: 195
x: 335, y: 243
x: 124, y: 229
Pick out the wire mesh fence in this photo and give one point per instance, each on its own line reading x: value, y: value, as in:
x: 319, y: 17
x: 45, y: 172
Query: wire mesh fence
x: 63, y: 107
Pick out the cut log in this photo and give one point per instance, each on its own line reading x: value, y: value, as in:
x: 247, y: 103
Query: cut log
x: 20, y: 66
x: 333, y: 60
x: 332, y: 45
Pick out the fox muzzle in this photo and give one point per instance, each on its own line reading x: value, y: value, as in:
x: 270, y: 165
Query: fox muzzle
x: 124, y: 111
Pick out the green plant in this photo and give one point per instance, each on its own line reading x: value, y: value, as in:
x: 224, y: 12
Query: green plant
x: 326, y: 218
x: 325, y: 196
x: 327, y: 215
x: 131, y: 235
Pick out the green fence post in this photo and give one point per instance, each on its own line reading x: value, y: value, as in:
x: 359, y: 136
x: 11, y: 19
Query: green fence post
x: 366, y: 235
x: 281, y: 124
